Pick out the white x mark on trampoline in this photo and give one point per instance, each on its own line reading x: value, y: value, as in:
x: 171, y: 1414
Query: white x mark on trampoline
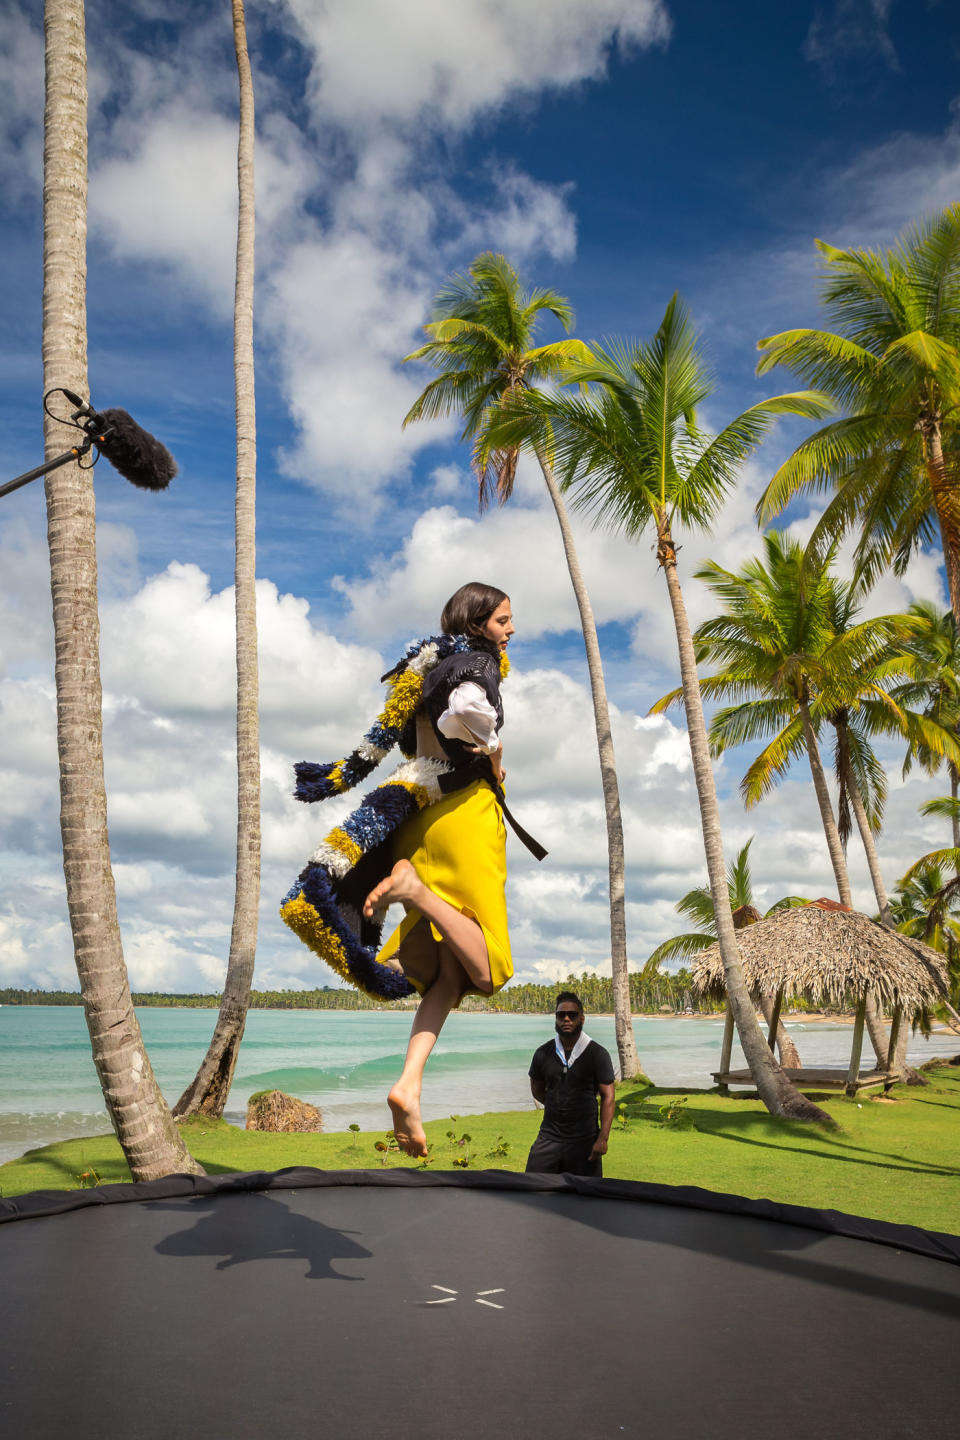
x: 479, y: 1299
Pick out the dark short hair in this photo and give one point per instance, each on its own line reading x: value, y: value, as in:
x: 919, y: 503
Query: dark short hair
x: 568, y: 995
x: 466, y: 612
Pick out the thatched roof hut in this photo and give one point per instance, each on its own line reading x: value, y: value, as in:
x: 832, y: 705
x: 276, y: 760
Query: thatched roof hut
x: 829, y: 957
x: 825, y: 953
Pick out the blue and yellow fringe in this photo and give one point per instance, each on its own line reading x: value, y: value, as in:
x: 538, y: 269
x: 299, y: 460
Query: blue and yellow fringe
x: 324, y: 905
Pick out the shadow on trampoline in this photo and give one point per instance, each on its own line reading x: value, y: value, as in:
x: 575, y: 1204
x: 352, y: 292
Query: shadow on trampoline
x: 859, y: 1270
x: 252, y: 1226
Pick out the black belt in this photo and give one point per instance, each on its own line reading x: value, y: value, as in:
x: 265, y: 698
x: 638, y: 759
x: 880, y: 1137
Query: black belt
x: 482, y: 769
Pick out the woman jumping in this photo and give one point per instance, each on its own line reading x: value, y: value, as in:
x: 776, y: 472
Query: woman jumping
x: 443, y: 858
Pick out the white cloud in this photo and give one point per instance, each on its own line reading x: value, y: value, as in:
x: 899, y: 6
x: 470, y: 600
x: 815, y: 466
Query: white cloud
x: 525, y: 217
x: 890, y: 186
x: 442, y: 66
x: 450, y: 482
x: 518, y: 548
x: 854, y: 30
x: 21, y: 81
x: 152, y: 203
x: 359, y: 217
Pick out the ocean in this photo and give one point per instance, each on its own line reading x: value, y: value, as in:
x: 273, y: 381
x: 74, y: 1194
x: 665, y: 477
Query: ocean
x: 344, y: 1062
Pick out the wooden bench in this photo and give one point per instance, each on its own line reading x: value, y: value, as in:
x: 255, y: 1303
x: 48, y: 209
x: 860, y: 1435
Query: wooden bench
x: 850, y: 1080
x: 815, y: 1079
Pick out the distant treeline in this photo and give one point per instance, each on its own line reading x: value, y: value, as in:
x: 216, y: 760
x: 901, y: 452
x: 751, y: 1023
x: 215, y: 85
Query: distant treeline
x: 663, y: 994
x: 325, y: 999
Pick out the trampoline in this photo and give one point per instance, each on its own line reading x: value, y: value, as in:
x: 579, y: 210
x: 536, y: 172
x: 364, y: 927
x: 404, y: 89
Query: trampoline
x: 306, y: 1303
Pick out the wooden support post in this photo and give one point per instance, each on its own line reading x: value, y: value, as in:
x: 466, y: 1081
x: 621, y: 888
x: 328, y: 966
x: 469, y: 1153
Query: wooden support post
x: 727, y: 1048
x: 775, y: 1018
x: 854, y: 1071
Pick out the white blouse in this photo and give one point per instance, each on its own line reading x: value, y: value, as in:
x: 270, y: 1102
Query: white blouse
x: 470, y: 717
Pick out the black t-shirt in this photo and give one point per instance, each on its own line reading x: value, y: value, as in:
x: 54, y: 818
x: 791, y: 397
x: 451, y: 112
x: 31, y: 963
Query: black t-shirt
x: 570, y: 1092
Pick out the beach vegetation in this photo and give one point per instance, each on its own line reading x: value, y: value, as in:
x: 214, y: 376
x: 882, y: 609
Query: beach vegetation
x: 929, y: 654
x: 697, y: 905
x: 892, y: 368
x: 387, y: 1146
x: 796, y: 663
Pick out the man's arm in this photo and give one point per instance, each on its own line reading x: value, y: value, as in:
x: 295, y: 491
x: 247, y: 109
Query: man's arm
x: 538, y: 1087
x: 608, y: 1094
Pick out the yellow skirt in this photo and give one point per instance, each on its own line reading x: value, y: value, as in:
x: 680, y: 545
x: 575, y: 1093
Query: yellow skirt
x: 459, y: 849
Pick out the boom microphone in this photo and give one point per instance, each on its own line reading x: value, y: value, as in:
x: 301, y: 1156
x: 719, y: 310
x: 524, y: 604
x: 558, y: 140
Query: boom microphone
x: 133, y: 451
x: 136, y: 454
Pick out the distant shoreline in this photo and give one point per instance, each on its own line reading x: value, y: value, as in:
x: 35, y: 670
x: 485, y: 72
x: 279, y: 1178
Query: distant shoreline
x: 814, y: 1017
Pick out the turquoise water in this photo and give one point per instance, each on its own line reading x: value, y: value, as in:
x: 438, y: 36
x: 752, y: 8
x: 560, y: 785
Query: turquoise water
x: 342, y: 1061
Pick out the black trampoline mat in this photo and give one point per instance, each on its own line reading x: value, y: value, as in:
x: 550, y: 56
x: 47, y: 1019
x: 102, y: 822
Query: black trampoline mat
x: 366, y: 1311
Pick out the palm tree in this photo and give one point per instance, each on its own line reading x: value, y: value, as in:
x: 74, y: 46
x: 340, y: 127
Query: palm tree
x: 927, y: 906
x: 210, y: 1087
x: 921, y: 908
x: 866, y: 711
x: 481, y: 341
x: 697, y: 905
x: 140, y: 1117
x: 930, y: 656
x: 632, y: 450
x: 793, y: 659
x: 770, y: 637
x: 893, y: 368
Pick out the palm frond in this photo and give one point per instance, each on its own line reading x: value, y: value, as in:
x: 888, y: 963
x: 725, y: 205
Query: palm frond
x: 922, y: 351
x: 787, y: 902
x: 739, y: 881
x: 679, y: 947
x: 944, y: 806
x: 661, y: 706
x: 770, y: 766
x: 826, y: 362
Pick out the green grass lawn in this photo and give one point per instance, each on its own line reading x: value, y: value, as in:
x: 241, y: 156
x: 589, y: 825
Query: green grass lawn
x: 896, y: 1160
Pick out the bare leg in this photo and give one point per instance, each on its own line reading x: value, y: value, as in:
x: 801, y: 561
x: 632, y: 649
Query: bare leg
x: 404, y: 1098
x: 418, y: 956
x: 462, y: 934
x: 463, y: 963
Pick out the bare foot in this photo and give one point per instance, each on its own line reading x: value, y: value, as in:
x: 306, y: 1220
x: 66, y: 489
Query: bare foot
x: 402, y: 884
x: 407, y: 1125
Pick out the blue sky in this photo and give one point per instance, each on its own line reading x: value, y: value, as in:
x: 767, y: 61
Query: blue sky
x: 617, y: 150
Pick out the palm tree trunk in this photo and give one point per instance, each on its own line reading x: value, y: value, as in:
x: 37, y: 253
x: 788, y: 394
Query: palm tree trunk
x: 874, y: 1019
x: 773, y: 1087
x: 788, y: 1052
x: 869, y: 845
x: 834, y: 845
x: 138, y: 1112
x: 211, y: 1086
x: 955, y: 816
x: 878, y: 1038
x: 626, y: 1044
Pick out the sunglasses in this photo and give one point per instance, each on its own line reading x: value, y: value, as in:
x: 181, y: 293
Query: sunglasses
x: 568, y: 1014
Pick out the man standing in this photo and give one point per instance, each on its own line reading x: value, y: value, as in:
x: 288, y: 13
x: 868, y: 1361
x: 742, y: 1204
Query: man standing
x: 566, y: 1076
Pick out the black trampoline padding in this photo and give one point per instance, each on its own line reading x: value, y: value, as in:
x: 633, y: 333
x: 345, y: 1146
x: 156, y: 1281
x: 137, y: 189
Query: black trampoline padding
x: 353, y: 1304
